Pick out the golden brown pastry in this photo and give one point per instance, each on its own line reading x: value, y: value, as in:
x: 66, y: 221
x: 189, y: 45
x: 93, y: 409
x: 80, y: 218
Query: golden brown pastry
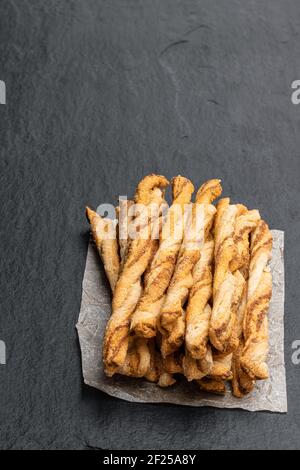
x: 104, y: 235
x: 144, y: 319
x: 138, y: 357
x: 195, y: 369
x: 198, y: 311
x: 198, y: 358
x: 137, y: 361
x: 224, y: 245
x: 212, y: 386
x: 172, y: 319
x: 222, y: 320
x: 196, y: 336
x: 241, y: 383
x: 166, y: 380
x: 237, y: 297
x: 209, y: 191
x: 173, y: 363
x: 221, y: 369
x: 128, y: 289
x: 253, y: 359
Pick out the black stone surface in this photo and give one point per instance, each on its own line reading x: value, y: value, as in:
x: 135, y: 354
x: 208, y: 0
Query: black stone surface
x: 100, y: 93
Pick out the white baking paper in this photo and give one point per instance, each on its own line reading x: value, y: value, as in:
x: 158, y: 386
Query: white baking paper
x: 96, y: 308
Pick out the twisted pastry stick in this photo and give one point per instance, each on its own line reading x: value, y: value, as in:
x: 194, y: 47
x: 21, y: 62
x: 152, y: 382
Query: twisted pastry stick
x: 222, y: 320
x: 245, y: 224
x: 172, y: 320
x: 144, y: 319
x: 197, y: 315
x: 198, y: 311
x: 254, y: 355
x: 104, y: 235
x: 198, y: 362
x: 138, y: 357
x: 260, y: 254
x: 237, y: 295
x: 128, y: 289
x: 138, y: 360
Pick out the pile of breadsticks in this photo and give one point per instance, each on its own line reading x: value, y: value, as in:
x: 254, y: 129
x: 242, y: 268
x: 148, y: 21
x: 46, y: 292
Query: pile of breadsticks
x: 194, y: 299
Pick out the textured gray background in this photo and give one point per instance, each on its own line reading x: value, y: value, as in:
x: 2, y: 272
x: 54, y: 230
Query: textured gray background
x: 99, y: 93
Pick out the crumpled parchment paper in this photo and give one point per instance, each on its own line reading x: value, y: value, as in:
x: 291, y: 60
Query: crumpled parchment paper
x: 96, y: 308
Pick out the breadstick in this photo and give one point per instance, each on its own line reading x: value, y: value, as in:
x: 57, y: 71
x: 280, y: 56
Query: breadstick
x: 222, y: 320
x: 198, y: 358
x: 144, y: 319
x: 224, y: 245
x: 241, y: 383
x: 153, y: 371
x: 222, y: 361
x: 137, y: 360
x: 197, y: 315
x: 128, y: 290
x: 233, y: 341
x: 104, y: 235
x: 198, y: 312
x: 254, y: 355
x: 172, y: 320
x: 245, y: 222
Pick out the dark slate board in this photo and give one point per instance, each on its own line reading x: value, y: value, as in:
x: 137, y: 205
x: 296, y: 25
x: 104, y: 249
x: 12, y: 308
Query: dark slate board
x: 99, y: 93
